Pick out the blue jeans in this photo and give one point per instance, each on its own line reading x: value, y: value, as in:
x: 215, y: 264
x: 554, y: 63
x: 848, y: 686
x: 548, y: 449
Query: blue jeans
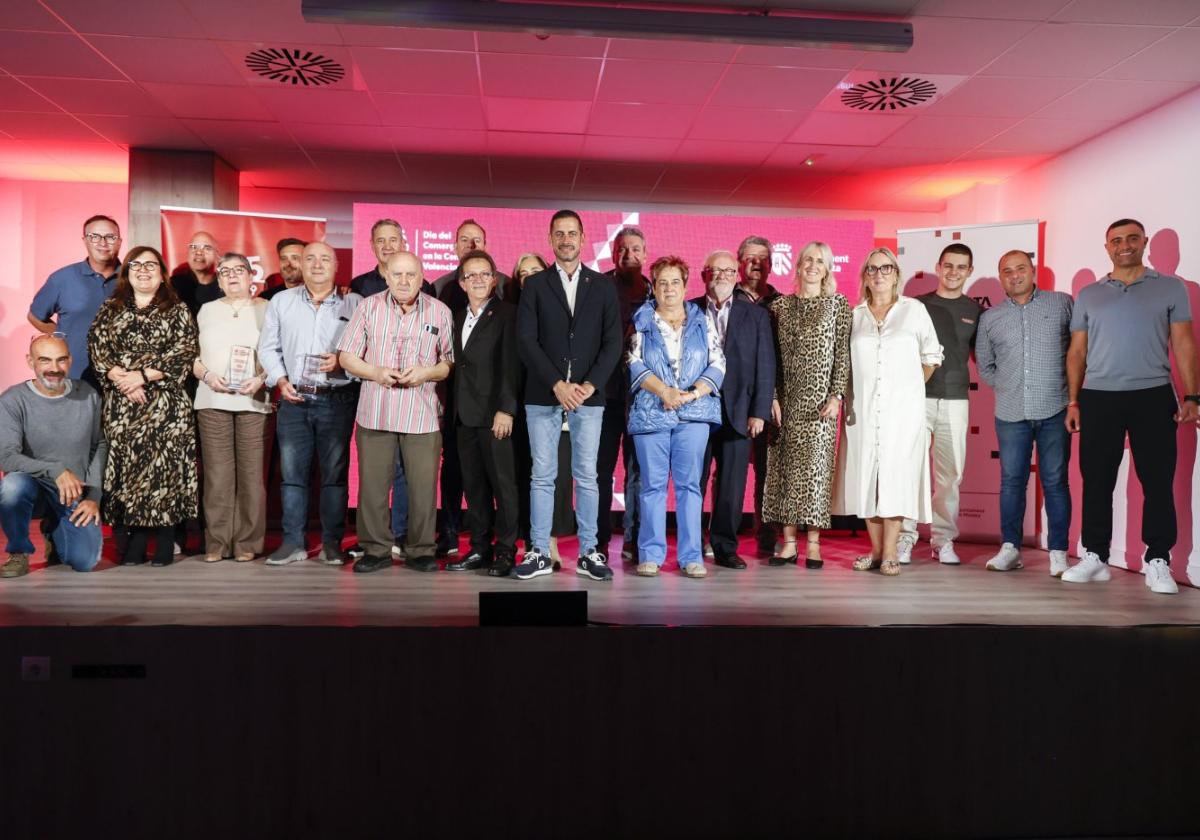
x: 545, y: 428
x: 1054, y: 452
x: 399, y: 499
x: 676, y: 454
x: 322, y: 424
x: 23, y: 497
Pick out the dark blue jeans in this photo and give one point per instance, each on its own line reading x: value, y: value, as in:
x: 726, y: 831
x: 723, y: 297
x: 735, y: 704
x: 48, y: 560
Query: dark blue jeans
x: 1054, y: 452
x: 322, y: 424
x: 22, y: 497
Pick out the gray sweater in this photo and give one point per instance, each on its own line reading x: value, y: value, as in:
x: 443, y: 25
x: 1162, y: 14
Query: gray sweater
x: 43, y: 436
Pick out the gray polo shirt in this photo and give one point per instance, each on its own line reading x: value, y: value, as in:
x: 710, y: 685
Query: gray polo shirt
x: 1128, y: 330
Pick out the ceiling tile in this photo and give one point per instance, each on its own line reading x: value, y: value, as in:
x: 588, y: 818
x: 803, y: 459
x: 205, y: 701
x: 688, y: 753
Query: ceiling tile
x: 27, y: 125
x: 1143, y: 12
x: 627, y: 149
x: 555, y: 116
x: 260, y: 159
x: 16, y: 96
x: 1000, y: 96
x: 684, y: 83
x: 737, y: 123
x: 99, y: 96
x: 617, y: 196
x: 417, y: 71
x: 459, y: 40
x: 407, y: 140
x: 527, y: 143
x: 1109, y: 99
x: 240, y: 132
x: 847, y: 129
x: 1172, y: 59
x: 280, y: 21
x: 1074, y: 50
x: 539, y: 76
x: 703, y: 177
x: 826, y: 159
x: 953, y: 45
x: 774, y: 87
x: 594, y: 173
x: 29, y: 15
x: 429, y: 111
x: 178, y: 60
x: 723, y: 152
x: 151, y: 132
x: 446, y: 169
x: 517, y: 170
x: 1046, y: 135
x: 526, y: 43
x: 797, y: 57
x: 335, y: 107
x: 678, y: 195
x: 333, y: 137
x: 366, y: 173
x: 1036, y: 10
x: 630, y: 120
x: 671, y: 50
x: 161, y: 17
x: 891, y: 158
x: 961, y: 133
x: 200, y: 101
x: 52, y: 54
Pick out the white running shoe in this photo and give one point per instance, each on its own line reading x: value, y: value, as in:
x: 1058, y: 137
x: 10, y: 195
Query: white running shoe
x: 946, y: 555
x: 1006, y: 559
x: 1089, y: 569
x: 1158, y: 577
x: 708, y: 551
x: 904, y: 552
x: 1058, y: 563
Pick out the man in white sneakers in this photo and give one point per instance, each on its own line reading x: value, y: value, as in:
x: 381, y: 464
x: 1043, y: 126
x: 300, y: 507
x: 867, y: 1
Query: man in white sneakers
x: 1021, y: 351
x: 1119, y: 383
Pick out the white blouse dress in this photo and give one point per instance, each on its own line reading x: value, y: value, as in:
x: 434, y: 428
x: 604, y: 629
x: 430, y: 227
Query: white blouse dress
x: 883, y: 462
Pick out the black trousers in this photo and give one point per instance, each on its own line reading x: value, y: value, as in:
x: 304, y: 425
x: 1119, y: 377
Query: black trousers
x: 731, y: 451
x: 1146, y: 415
x: 612, y: 433
x: 490, y: 479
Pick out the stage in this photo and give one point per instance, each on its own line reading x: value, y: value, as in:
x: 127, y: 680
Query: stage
x: 192, y: 592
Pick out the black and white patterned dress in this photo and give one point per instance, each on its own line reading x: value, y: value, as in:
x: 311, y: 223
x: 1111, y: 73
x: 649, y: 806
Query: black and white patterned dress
x: 150, y: 479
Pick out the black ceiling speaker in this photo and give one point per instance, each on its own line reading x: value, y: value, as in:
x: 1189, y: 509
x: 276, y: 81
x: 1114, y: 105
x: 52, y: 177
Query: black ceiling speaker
x: 295, y: 66
x: 889, y: 94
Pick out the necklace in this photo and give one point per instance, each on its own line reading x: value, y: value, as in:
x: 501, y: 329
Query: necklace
x: 237, y: 309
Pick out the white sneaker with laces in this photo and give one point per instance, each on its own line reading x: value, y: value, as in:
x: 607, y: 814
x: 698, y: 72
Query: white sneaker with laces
x: 1006, y: 559
x: 1058, y: 563
x: 904, y: 552
x: 946, y: 555
x: 1089, y: 569
x: 1158, y: 577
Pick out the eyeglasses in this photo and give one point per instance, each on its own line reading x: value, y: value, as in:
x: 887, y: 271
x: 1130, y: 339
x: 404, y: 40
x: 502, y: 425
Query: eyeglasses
x: 97, y: 238
x: 138, y: 265
x: 233, y: 271
x: 202, y: 249
x: 722, y: 273
x: 478, y: 275
x: 886, y: 270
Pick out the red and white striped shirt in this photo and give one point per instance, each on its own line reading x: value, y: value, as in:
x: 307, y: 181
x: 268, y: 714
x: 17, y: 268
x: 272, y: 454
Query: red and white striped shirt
x: 381, y: 333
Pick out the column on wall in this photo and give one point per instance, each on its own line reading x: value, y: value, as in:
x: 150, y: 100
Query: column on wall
x: 170, y: 177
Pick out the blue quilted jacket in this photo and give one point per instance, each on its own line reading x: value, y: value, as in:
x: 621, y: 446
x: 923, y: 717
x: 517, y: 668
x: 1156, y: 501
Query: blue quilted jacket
x: 647, y: 413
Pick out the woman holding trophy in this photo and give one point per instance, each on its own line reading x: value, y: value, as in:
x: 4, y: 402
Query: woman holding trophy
x: 231, y: 411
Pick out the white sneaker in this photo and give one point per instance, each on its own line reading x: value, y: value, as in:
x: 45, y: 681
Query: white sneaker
x: 1058, y: 563
x: 708, y: 551
x: 1006, y: 559
x: 1158, y: 577
x: 904, y: 552
x: 1089, y: 569
x: 946, y: 555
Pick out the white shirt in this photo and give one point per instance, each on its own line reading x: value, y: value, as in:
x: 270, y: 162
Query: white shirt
x: 570, y: 284
x: 473, y: 319
x: 718, y: 316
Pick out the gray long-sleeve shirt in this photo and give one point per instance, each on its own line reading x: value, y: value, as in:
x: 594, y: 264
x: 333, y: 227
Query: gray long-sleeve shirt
x: 43, y: 436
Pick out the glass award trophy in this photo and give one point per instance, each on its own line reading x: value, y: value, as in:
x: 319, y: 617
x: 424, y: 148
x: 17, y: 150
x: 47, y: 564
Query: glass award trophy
x: 313, y: 375
x: 241, y: 365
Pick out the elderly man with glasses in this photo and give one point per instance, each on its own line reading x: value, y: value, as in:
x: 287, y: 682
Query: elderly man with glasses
x: 75, y: 293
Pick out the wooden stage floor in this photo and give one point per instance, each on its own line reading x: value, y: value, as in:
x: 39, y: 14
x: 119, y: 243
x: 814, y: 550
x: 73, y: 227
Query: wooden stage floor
x: 191, y: 592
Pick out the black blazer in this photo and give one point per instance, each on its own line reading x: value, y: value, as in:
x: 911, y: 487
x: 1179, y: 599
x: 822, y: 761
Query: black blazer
x: 486, y: 371
x: 552, y: 341
x: 749, y: 364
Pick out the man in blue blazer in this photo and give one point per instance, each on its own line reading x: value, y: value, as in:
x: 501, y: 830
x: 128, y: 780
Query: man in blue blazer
x: 569, y: 338
x: 745, y: 332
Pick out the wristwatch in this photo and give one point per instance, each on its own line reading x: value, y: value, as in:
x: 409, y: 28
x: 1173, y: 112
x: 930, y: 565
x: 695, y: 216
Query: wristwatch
x: 1195, y: 398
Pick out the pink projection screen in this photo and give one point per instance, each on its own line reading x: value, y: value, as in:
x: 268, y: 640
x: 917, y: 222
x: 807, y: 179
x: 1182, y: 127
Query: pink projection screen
x: 511, y: 232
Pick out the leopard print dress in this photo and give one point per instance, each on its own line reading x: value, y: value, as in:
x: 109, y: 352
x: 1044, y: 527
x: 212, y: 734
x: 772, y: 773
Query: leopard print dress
x: 812, y: 337
x: 150, y: 478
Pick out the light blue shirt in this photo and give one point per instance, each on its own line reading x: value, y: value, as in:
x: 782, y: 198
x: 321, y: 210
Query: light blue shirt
x: 75, y: 294
x: 294, y: 328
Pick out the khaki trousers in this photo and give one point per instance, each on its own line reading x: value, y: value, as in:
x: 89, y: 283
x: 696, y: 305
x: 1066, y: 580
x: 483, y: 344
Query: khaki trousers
x: 235, y: 501
x: 376, y: 469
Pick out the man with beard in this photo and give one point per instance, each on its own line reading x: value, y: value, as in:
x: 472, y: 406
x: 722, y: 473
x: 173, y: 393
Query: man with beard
x: 197, y: 284
x: 76, y: 292
x: 633, y: 289
x: 53, y: 453
x: 291, y: 254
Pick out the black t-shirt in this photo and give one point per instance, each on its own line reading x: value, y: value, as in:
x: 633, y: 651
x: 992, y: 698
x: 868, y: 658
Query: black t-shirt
x: 955, y: 321
x: 194, y: 293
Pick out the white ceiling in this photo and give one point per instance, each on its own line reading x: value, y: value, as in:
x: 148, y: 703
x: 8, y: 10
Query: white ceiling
x: 446, y: 113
